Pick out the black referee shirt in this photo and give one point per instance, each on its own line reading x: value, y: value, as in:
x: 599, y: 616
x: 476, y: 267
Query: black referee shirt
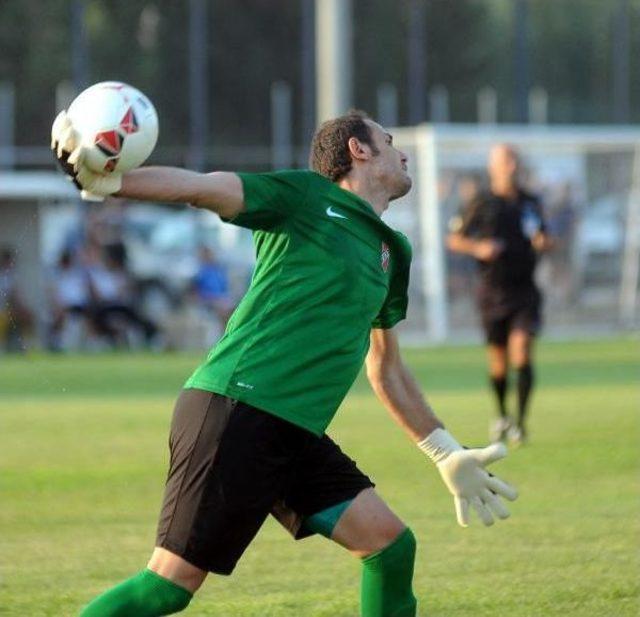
x: 514, y: 223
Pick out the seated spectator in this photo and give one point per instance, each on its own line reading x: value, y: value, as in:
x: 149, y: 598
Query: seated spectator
x: 562, y: 227
x: 111, y: 290
x: 16, y: 319
x: 70, y: 303
x: 211, y: 286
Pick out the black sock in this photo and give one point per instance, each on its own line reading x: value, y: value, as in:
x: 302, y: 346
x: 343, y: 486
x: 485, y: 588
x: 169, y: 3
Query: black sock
x: 525, y: 384
x: 500, y: 388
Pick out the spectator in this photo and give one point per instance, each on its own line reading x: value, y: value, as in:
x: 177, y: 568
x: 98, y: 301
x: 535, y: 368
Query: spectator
x: 562, y: 225
x: 70, y: 303
x: 111, y: 289
x: 16, y: 319
x: 211, y: 287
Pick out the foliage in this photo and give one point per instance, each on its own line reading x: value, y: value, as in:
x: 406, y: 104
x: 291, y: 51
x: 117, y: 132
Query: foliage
x: 253, y: 43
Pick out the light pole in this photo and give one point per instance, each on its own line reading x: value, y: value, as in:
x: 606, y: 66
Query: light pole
x: 334, y: 58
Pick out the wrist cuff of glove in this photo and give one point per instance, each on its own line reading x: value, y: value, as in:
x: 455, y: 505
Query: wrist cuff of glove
x: 438, y: 444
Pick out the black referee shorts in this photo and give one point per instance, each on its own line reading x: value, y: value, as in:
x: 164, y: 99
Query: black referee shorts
x: 515, y: 310
x: 231, y: 465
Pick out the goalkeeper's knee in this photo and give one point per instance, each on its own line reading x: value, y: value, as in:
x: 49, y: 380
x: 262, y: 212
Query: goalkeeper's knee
x: 145, y: 595
x: 386, y: 579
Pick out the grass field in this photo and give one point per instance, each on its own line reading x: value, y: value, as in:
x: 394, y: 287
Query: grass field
x: 83, y: 457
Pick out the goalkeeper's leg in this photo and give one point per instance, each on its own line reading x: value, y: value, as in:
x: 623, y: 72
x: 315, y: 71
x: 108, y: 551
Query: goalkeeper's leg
x: 372, y: 532
x: 164, y: 588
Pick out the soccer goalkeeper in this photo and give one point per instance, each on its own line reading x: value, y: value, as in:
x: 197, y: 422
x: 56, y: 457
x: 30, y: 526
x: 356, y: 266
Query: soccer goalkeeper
x: 248, y: 431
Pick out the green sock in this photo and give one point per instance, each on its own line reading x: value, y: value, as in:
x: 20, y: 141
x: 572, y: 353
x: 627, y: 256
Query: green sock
x: 146, y: 594
x: 386, y: 579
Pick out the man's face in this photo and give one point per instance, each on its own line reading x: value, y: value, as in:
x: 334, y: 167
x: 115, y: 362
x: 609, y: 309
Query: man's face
x: 503, y: 164
x: 389, y: 166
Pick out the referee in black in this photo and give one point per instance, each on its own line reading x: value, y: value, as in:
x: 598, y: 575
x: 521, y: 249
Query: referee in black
x: 504, y: 230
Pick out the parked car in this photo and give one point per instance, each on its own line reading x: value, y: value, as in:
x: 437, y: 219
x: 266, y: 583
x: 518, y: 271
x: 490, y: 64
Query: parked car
x: 162, y: 249
x: 599, y: 240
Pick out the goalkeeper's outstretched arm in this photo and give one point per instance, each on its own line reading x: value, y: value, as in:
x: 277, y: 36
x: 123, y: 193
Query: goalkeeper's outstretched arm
x: 220, y: 191
x: 462, y: 470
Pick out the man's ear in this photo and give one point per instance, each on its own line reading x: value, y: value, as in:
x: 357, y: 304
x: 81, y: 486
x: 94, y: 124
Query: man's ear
x: 358, y: 150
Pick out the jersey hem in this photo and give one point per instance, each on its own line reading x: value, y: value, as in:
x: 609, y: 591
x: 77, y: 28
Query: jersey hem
x: 244, y: 397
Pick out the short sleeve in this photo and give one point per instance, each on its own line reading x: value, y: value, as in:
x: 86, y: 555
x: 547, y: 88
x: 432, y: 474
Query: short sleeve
x: 395, y: 305
x: 269, y: 198
x: 544, y: 227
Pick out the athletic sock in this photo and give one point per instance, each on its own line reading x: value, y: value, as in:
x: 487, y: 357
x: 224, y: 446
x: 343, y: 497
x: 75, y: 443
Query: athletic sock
x: 525, y: 384
x: 500, y: 385
x: 146, y: 594
x: 386, y: 579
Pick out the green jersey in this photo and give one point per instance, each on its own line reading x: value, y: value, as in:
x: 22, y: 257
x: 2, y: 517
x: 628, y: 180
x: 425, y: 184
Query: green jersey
x: 327, y: 271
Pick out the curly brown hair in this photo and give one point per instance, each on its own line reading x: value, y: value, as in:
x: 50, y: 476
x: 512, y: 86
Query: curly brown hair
x: 330, y: 144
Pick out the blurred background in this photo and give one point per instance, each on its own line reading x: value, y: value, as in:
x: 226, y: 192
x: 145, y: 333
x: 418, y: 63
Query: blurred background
x: 242, y: 85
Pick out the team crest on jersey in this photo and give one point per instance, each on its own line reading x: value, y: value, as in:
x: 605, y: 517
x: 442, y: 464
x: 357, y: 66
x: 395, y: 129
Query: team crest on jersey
x: 384, y: 257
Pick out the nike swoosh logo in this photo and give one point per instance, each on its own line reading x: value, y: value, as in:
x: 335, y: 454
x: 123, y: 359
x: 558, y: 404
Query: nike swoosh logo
x: 337, y: 215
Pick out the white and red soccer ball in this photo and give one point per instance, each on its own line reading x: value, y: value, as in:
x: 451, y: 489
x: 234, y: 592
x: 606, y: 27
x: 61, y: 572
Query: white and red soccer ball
x: 118, y: 126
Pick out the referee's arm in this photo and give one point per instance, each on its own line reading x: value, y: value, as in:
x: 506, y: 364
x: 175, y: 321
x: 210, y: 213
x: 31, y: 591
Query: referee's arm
x: 542, y: 242
x: 483, y: 250
x: 396, y: 387
x: 460, y: 240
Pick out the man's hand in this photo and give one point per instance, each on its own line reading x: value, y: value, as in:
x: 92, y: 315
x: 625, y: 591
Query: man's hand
x: 541, y: 242
x: 463, y: 471
x: 69, y: 152
x: 488, y: 250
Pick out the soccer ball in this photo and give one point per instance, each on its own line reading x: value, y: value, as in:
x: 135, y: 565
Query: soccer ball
x: 118, y: 126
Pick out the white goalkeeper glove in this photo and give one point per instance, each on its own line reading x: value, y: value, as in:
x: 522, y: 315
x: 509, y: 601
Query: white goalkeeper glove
x: 464, y: 474
x: 69, y: 152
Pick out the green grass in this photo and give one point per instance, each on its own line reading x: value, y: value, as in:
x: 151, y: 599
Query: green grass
x: 83, y: 457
